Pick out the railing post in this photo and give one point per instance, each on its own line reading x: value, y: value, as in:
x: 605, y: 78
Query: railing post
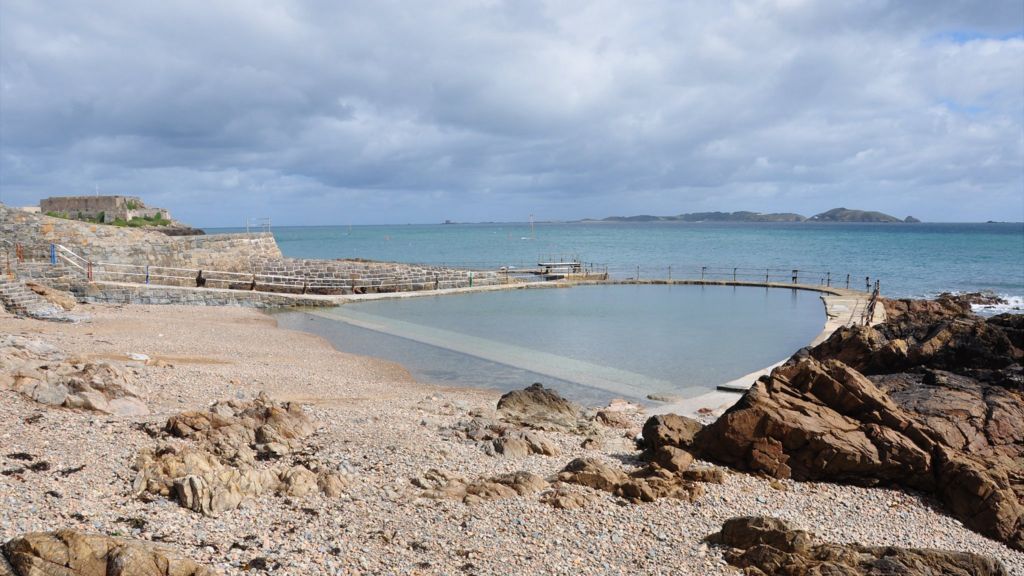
x: 847, y: 281
x: 734, y: 275
x: 470, y: 278
x: 147, y: 273
x: 828, y: 279
x: 867, y: 283
x: 89, y: 271
x: 638, y: 273
x: 765, y: 275
x: 702, y: 269
x: 53, y: 254
x: 669, y: 274
x: 796, y: 276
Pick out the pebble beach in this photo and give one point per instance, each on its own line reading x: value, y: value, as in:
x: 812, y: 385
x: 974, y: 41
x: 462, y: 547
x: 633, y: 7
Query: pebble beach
x: 73, y: 468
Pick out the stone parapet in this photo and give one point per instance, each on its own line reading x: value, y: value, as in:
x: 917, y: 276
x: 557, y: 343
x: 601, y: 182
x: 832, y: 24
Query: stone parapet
x: 142, y: 294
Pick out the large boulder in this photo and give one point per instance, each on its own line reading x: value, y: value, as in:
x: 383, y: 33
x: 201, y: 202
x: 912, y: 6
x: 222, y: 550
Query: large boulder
x: 670, y: 430
x: 763, y: 546
x: 941, y: 409
x: 74, y: 553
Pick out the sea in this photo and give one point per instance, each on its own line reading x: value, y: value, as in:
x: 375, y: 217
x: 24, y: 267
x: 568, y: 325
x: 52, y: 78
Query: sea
x: 595, y: 343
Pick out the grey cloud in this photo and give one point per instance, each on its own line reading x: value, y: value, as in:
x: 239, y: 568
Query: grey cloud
x: 423, y: 111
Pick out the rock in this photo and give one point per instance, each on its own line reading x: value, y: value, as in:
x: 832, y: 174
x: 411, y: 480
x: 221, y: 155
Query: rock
x: 244, y: 431
x: 613, y: 419
x: 670, y: 430
x: 540, y: 408
x: 942, y: 411
x: 221, y: 471
x: 42, y: 373
x: 74, y: 553
x: 645, y: 485
x: 520, y: 444
x: 768, y: 546
x: 440, y: 484
x: 672, y: 459
x: 564, y: 499
x: 58, y: 297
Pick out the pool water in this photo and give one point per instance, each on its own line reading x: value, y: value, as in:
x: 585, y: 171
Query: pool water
x: 591, y: 343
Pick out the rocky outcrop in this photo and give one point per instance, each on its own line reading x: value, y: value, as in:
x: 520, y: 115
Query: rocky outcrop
x: 242, y: 432
x: 441, y: 484
x: 499, y: 438
x: 932, y: 400
x: 74, y: 553
x: 43, y: 373
x: 645, y: 485
x: 223, y: 469
x: 768, y: 546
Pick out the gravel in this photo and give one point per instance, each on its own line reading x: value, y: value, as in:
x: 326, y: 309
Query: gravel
x: 376, y: 422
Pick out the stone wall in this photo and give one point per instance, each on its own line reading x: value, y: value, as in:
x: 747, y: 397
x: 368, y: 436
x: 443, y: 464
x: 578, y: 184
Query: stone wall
x: 99, y: 243
x: 142, y: 294
x: 243, y: 254
x: 363, y: 277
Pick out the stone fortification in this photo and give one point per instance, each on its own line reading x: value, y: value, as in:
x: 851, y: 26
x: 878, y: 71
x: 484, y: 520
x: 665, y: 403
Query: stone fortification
x: 229, y: 252
x: 245, y: 255
x: 106, y: 209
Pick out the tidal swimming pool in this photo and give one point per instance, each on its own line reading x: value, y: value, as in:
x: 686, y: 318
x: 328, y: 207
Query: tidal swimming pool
x: 592, y: 343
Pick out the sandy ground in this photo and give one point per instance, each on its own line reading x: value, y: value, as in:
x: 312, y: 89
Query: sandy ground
x: 375, y: 420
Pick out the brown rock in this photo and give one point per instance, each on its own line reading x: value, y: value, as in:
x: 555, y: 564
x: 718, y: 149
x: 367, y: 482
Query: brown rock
x: 73, y: 553
x: 768, y: 546
x: 672, y: 459
x: 58, y: 297
x: 670, y: 430
x: 943, y: 412
x: 646, y: 485
x: 541, y: 408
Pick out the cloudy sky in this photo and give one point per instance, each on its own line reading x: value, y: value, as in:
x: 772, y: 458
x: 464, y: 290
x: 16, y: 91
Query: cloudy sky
x: 392, y: 112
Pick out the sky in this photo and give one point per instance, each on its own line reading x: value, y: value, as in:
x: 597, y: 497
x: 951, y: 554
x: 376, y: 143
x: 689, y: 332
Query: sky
x: 330, y: 112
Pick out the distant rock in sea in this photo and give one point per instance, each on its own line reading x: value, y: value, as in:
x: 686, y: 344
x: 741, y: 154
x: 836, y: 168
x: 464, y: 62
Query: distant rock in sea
x: 834, y: 215
x: 847, y: 215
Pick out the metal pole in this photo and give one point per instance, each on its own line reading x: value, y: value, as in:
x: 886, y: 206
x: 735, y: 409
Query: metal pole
x: 147, y: 273
x: 828, y: 279
x: 867, y: 282
x: 765, y: 275
x: 796, y: 276
x: 847, y: 281
x: 670, y: 274
x: 702, y: 269
x: 53, y: 254
x: 733, y: 274
x: 638, y: 273
x: 89, y: 273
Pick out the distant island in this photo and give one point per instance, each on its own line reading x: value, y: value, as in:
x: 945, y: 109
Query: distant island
x: 833, y: 215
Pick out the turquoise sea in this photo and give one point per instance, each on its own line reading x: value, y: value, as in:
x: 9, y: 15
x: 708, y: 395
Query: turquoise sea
x: 594, y: 343
x: 911, y: 260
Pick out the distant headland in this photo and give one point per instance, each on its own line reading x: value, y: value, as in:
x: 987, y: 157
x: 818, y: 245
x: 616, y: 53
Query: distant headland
x: 833, y: 215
